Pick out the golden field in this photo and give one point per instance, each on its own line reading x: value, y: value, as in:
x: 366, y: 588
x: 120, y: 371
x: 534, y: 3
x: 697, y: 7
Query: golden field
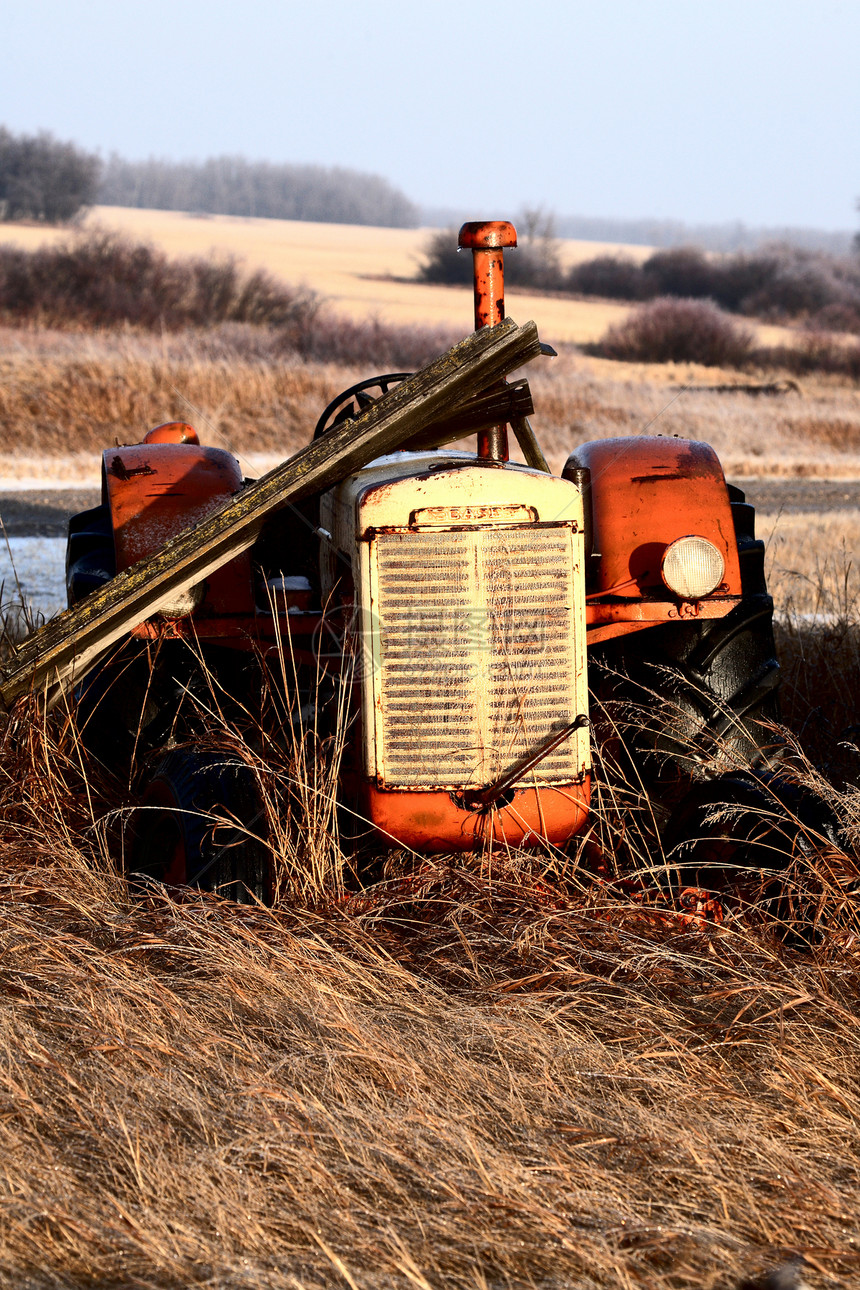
x: 362, y: 271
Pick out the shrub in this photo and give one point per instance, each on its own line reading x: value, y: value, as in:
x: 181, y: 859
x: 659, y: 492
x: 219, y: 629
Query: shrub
x: 838, y: 317
x: 667, y: 330
x: 383, y: 346
x: 781, y: 282
x: 44, y: 179
x: 443, y: 262
x: 816, y: 351
x: 682, y: 271
x: 614, y: 277
x: 104, y: 280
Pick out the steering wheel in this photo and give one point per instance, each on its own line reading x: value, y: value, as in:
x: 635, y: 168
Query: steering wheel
x: 350, y: 403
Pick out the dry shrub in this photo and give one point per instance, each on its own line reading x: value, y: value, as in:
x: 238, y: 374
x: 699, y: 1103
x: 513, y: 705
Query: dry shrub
x: 837, y: 318
x: 104, y: 281
x: 382, y: 346
x: 670, y: 330
x: 101, y: 279
x: 534, y: 263
x: 816, y: 350
x: 613, y: 277
x: 778, y: 282
x: 678, y: 331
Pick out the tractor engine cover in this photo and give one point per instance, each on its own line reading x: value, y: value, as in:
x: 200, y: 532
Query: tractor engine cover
x: 469, y: 642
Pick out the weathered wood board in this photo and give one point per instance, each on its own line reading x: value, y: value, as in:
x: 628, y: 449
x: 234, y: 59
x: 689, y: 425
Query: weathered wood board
x: 50, y: 660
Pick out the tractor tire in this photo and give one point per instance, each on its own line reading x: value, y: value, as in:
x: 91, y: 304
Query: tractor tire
x: 201, y: 823
x: 90, y: 555
x: 689, y: 701
x: 753, y: 843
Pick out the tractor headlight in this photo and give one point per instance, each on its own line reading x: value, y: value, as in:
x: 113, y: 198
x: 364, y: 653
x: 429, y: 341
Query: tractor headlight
x: 692, y: 567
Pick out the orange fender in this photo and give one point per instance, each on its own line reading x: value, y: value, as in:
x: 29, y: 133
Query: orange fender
x: 157, y: 489
x: 644, y: 494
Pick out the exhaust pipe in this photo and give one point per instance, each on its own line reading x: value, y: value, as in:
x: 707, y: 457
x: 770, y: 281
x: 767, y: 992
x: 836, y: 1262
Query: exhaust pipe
x: 487, y: 241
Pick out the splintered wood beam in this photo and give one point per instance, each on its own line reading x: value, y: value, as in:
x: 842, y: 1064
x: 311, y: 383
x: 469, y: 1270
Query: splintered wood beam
x: 508, y: 401
x: 49, y: 661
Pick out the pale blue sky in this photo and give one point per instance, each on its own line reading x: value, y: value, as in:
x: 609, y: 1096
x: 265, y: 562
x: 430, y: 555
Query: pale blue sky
x: 701, y: 111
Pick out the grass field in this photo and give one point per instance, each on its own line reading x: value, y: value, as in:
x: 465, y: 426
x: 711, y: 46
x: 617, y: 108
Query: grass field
x: 499, y: 1070
x: 361, y: 270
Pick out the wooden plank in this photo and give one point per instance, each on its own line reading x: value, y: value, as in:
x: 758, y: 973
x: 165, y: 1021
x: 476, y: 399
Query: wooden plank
x: 506, y: 402
x: 65, y: 648
x: 531, y: 449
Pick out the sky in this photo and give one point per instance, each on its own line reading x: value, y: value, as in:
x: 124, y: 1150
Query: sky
x: 698, y: 110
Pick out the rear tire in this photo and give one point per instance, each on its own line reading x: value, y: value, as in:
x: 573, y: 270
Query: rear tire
x: 90, y: 555
x: 202, y: 824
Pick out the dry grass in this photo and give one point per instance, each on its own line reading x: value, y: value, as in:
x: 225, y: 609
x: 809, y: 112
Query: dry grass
x: 473, y: 1074
x: 84, y: 397
x: 499, y: 1070
x: 811, y: 430
x: 814, y: 578
x: 66, y: 393
x: 812, y: 567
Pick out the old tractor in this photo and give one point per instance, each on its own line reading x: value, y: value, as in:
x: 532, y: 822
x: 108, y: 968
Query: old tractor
x: 467, y: 602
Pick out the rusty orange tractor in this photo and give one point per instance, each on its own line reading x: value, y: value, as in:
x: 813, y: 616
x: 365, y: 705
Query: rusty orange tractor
x: 469, y: 602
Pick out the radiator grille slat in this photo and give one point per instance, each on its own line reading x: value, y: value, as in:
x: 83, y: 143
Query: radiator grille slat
x: 476, y: 653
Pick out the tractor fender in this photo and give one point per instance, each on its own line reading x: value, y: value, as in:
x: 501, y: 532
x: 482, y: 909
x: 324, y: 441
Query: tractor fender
x: 155, y: 490
x: 643, y: 493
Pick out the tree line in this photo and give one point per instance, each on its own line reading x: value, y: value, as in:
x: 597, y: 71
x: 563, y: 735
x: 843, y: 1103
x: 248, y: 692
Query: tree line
x: 42, y: 178
x: 49, y: 180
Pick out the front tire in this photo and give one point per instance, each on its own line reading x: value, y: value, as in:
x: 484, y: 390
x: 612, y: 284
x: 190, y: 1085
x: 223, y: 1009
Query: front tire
x: 689, y: 701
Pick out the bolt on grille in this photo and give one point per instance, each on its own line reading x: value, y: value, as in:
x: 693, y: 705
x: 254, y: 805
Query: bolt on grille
x: 478, y: 656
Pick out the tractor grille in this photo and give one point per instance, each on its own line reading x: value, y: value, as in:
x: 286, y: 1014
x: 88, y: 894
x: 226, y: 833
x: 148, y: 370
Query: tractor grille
x: 474, y: 654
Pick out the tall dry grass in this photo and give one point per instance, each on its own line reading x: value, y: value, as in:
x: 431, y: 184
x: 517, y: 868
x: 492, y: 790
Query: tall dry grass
x: 470, y: 1074
x: 497, y: 1070
x: 503, y: 1069
x: 65, y: 393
